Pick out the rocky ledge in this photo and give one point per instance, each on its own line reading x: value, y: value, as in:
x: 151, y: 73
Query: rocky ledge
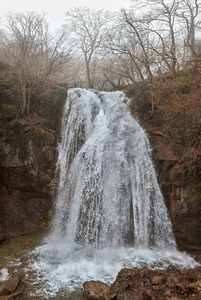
x: 145, y: 284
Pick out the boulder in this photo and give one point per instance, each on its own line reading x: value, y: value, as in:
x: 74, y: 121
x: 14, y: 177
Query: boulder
x: 195, y: 287
x: 96, y: 290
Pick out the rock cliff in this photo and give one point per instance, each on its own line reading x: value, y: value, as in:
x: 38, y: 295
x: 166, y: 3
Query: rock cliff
x: 178, y: 165
x: 27, y: 163
x: 182, y: 195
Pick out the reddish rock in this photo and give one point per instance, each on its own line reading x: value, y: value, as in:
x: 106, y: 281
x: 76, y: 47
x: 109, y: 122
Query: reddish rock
x: 148, y: 295
x: 125, y: 278
x: 144, y: 284
x: 11, y: 284
x: 181, y: 190
x: 194, y: 274
x: 172, y: 280
x: 96, y: 290
x: 181, y: 288
x: 195, y: 287
x: 158, y: 279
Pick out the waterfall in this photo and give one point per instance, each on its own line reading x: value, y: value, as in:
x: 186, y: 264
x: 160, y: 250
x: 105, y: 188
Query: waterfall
x: 108, y: 193
x: 109, y: 211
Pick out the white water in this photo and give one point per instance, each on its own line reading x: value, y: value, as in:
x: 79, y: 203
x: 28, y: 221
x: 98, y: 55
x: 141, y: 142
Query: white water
x: 3, y: 275
x: 109, y: 211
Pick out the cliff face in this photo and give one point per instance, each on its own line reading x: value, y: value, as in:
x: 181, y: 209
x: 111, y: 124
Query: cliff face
x: 26, y: 159
x: 169, y: 109
x: 182, y: 194
x: 27, y: 164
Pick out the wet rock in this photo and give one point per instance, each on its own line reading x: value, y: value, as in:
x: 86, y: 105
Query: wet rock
x: 11, y: 284
x: 123, y: 281
x: 144, y: 284
x: 96, y: 290
x: 132, y: 284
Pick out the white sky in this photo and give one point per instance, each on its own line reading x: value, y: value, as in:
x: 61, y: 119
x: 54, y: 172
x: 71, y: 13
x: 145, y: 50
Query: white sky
x: 56, y: 9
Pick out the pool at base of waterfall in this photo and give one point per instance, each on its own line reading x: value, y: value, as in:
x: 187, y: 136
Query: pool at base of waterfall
x: 65, y: 267
x: 54, y: 272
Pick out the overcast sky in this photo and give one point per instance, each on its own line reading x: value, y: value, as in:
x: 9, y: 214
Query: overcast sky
x: 56, y: 9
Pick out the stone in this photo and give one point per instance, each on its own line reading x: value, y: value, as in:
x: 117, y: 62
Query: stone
x: 122, y: 282
x: 195, y: 287
x: 143, y: 272
x: 11, y: 284
x: 148, y: 295
x: 158, y: 280
x: 96, y: 290
x: 181, y: 288
x: 172, y: 280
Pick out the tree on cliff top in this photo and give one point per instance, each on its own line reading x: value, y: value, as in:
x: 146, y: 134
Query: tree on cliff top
x: 87, y: 30
x: 32, y: 54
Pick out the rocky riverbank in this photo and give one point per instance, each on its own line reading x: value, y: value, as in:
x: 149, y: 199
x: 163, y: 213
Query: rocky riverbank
x: 130, y: 284
x: 144, y: 284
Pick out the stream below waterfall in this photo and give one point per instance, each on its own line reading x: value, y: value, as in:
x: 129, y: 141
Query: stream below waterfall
x: 16, y: 256
x: 109, y: 211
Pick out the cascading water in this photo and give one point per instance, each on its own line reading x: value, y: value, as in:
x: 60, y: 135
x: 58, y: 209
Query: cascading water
x: 109, y: 211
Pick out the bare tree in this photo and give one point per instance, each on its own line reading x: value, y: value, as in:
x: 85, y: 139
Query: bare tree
x: 87, y: 28
x: 32, y: 54
x: 129, y: 41
x: 161, y: 15
x: 172, y: 22
x: 140, y: 32
x: 188, y: 14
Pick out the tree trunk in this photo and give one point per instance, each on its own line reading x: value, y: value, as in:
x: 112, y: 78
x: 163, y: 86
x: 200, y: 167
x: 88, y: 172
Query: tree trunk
x: 90, y: 85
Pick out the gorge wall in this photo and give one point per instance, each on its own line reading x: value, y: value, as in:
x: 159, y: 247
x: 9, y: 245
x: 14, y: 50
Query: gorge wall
x: 27, y: 165
x: 182, y: 194
x: 177, y: 161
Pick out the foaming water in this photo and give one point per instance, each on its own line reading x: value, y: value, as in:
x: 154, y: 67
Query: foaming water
x: 67, y: 267
x: 109, y: 211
